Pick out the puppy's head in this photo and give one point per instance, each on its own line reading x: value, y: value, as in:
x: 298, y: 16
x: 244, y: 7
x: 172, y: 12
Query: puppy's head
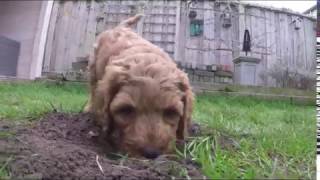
x: 145, y: 107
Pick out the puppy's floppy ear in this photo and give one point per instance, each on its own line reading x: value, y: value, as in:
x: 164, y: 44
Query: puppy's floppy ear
x: 185, y: 121
x: 114, y: 78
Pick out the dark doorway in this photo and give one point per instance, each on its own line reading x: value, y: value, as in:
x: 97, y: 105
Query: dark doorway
x: 9, y: 54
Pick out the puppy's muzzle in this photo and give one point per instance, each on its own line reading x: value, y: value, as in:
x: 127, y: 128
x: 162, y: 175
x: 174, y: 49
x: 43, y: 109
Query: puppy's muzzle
x: 150, y: 153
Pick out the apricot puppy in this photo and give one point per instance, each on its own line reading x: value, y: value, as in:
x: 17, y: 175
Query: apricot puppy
x: 138, y: 95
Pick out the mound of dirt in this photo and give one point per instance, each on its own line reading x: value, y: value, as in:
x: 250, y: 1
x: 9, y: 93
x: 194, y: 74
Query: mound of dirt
x: 61, y: 146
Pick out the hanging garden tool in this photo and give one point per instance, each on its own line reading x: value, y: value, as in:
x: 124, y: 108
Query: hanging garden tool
x: 246, y: 42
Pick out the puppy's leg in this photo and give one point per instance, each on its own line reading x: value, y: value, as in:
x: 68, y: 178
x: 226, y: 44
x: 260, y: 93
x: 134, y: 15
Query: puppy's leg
x: 93, y: 83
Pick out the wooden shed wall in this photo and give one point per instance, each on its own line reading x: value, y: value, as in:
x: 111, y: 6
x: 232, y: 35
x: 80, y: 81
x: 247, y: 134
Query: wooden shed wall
x: 274, y: 38
x: 74, y: 26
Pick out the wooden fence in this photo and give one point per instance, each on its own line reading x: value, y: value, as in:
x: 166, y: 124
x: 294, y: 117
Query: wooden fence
x: 74, y: 26
x: 279, y: 38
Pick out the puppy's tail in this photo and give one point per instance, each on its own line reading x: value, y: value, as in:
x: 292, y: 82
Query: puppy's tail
x: 131, y: 21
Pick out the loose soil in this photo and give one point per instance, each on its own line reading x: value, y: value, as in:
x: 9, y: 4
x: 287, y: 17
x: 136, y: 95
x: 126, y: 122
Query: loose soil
x: 62, y: 146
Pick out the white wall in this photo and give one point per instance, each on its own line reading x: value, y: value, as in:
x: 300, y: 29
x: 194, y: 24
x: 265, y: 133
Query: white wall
x: 19, y: 21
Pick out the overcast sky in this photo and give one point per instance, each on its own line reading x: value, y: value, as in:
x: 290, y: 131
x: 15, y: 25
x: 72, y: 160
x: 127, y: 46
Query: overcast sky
x: 299, y: 5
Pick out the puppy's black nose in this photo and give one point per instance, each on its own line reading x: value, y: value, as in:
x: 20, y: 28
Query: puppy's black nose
x: 150, y: 153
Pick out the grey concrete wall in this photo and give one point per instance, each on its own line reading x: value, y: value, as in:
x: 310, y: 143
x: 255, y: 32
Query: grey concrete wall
x: 19, y: 21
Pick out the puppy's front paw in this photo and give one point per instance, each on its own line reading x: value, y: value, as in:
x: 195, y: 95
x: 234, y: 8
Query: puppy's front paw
x: 87, y: 108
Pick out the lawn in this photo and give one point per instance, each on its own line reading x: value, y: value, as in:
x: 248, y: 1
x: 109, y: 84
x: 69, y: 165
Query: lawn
x: 242, y: 137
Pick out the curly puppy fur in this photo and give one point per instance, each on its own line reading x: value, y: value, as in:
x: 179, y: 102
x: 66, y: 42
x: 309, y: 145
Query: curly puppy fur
x: 138, y: 95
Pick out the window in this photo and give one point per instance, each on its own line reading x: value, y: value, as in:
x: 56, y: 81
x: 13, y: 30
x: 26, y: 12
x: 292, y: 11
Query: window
x: 196, y: 27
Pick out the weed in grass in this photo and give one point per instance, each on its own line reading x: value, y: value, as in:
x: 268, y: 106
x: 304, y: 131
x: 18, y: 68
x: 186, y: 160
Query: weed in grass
x: 4, y: 174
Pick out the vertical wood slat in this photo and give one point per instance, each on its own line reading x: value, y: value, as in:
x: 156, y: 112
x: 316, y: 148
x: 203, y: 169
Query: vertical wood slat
x: 50, y: 38
x: 217, y: 34
x: 271, y: 45
x: 60, y: 35
x: 71, y: 41
x: 294, y: 43
x: 235, y: 21
x: 74, y: 35
x: 226, y: 54
x: 310, y: 33
x: 91, y: 29
x: 242, y: 27
x: 255, y: 33
x: 83, y: 16
x: 300, y: 46
x: 282, y: 30
x: 290, y: 41
x: 182, y: 34
x: 248, y: 25
x: 277, y: 36
x: 100, y: 27
x: 208, y: 30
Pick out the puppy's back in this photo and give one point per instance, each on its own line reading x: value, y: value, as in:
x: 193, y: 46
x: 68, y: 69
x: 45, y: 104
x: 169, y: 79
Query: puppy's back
x: 121, y: 42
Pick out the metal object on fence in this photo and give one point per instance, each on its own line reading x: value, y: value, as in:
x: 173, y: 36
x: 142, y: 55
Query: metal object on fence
x: 226, y: 16
x: 192, y: 14
x: 297, y: 23
x: 196, y: 27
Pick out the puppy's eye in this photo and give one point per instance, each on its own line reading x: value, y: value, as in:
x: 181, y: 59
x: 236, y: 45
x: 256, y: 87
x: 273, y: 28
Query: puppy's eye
x: 171, y: 113
x: 125, y: 110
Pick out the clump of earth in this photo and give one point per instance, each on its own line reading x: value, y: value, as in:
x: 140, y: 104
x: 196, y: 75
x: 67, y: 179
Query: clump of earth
x: 62, y: 146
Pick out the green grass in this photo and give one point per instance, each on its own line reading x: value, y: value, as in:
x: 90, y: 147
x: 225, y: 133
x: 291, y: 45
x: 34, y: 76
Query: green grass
x: 32, y: 100
x: 269, y: 139
x: 274, y: 139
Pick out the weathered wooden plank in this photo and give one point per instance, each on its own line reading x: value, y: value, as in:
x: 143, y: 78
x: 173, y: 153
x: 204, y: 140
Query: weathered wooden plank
x: 294, y: 36
x: 199, y: 41
x: 271, y: 39
x: 208, y: 33
x: 255, y: 32
x: 67, y: 41
x: 282, y: 37
x: 101, y: 18
x: 83, y: 17
x: 277, y: 37
x: 271, y: 45
x: 235, y: 21
x: 226, y: 33
x: 91, y: 28
x: 300, y: 43
x: 71, y: 37
x: 262, y: 50
x: 242, y: 27
x: 55, y: 38
x: 310, y: 40
x: 287, y: 44
x: 217, y: 33
x: 50, y: 38
x: 61, y: 35
x: 248, y: 26
x: 182, y: 33
x: 290, y: 45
